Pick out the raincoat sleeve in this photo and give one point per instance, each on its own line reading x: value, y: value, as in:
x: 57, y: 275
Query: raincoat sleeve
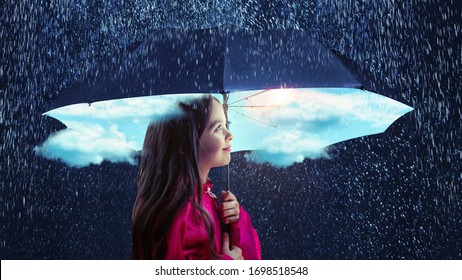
x: 245, y: 237
x: 188, y: 239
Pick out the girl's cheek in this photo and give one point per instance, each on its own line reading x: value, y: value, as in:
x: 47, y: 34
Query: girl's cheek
x: 212, y: 146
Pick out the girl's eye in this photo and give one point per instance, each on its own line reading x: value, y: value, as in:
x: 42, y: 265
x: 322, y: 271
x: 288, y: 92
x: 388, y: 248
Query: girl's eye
x: 219, y: 128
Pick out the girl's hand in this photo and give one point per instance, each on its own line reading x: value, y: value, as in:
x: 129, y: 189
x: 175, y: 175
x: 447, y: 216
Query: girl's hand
x: 233, y: 251
x: 229, y: 208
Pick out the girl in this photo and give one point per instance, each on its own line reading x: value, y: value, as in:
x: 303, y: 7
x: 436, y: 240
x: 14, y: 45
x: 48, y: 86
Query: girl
x: 176, y: 215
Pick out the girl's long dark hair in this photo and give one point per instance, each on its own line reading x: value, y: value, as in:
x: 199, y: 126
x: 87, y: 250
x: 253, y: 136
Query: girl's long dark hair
x: 168, y: 178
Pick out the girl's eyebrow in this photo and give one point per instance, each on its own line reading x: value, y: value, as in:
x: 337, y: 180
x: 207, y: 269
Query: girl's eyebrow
x: 215, y: 122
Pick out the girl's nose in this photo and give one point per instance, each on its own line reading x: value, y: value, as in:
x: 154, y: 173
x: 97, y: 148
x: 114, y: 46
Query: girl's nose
x: 229, y: 136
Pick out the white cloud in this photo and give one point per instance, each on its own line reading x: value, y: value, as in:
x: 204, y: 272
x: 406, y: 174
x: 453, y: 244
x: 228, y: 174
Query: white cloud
x: 305, y: 122
x: 291, y: 142
x: 288, y: 147
x: 111, y: 130
x: 91, y: 145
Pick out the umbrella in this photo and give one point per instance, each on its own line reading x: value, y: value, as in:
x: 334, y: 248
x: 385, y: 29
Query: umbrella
x: 287, y: 90
x: 217, y: 60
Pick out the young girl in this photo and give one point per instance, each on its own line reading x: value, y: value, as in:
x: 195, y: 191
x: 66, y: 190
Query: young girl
x: 176, y: 215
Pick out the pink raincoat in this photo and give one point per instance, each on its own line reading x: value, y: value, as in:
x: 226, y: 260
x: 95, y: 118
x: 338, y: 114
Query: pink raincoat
x: 188, y: 239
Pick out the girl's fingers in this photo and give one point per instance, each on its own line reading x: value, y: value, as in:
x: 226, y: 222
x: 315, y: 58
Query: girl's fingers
x: 227, y: 196
x: 229, y: 205
x: 231, y: 220
x: 230, y: 213
x: 225, y: 245
x: 230, y: 216
x: 229, y: 208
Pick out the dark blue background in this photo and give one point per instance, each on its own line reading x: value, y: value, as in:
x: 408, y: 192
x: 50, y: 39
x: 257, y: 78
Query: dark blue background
x: 396, y: 195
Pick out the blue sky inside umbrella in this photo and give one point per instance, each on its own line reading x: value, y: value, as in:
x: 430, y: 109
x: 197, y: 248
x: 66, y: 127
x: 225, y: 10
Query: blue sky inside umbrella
x: 279, y: 126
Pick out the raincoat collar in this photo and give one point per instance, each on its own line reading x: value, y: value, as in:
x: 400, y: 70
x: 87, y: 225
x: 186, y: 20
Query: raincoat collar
x: 207, y: 188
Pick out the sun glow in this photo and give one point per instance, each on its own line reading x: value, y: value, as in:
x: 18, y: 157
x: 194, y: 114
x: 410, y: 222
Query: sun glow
x: 278, y: 97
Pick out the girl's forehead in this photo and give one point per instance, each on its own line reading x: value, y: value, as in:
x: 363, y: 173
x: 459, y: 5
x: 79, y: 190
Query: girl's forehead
x: 217, y: 108
x: 216, y: 102
x: 217, y: 114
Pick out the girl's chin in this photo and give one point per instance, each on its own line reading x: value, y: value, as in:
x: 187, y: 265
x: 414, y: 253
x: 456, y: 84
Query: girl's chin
x: 224, y: 162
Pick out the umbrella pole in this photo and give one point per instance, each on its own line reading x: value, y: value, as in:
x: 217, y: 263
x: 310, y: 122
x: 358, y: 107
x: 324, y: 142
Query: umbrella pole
x: 225, y: 109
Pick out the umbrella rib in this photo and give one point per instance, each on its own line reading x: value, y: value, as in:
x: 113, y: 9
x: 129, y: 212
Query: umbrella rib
x: 254, y: 106
x: 254, y: 119
x: 247, y: 98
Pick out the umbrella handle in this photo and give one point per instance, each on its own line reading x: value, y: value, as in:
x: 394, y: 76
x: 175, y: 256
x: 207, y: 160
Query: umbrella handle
x: 227, y: 178
x: 225, y: 109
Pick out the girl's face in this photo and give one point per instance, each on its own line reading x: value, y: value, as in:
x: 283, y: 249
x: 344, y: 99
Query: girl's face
x: 215, y: 141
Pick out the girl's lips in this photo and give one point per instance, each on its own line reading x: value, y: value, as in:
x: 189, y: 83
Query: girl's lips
x: 227, y: 149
